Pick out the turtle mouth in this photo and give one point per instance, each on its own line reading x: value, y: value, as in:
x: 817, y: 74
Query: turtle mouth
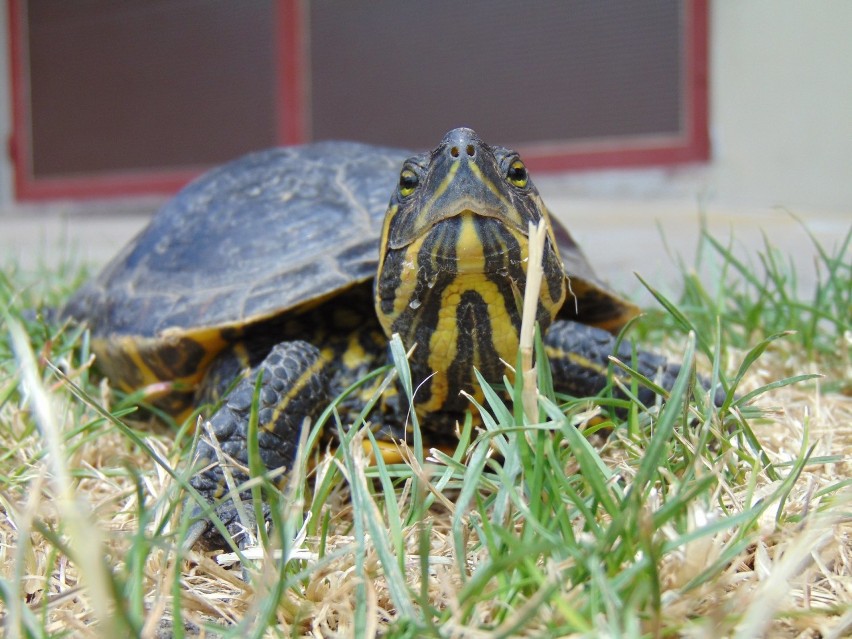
x: 474, y: 210
x: 468, y: 242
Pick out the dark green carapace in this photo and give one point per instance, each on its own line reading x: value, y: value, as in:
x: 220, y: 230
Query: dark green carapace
x: 301, y: 262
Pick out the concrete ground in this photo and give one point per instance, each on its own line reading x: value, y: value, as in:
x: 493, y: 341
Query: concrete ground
x: 620, y: 236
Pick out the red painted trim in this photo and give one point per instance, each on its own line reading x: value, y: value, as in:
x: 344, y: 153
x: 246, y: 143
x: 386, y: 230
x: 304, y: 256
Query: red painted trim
x: 567, y: 158
x: 293, y: 64
x: 698, y: 61
x: 106, y: 185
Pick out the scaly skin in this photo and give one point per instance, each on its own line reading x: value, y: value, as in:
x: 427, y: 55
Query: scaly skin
x: 294, y: 388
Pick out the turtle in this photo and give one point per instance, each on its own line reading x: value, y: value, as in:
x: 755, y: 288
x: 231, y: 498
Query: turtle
x: 289, y: 263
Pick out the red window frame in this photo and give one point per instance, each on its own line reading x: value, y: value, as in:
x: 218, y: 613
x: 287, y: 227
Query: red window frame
x: 690, y: 145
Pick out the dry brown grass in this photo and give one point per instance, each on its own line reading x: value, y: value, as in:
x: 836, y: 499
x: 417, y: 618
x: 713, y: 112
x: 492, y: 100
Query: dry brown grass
x: 90, y: 525
x: 794, y: 580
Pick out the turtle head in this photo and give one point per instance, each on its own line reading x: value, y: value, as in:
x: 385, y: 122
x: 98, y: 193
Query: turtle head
x: 461, y: 175
x: 453, y: 256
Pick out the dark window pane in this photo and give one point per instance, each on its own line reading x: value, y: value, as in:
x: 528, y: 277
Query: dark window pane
x: 516, y: 71
x: 149, y: 84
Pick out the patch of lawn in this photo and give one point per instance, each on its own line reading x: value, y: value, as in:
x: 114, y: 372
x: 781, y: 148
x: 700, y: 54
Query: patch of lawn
x: 587, y: 517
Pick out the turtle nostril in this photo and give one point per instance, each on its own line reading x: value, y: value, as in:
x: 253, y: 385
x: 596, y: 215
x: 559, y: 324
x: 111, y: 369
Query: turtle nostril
x: 469, y: 149
x: 461, y: 143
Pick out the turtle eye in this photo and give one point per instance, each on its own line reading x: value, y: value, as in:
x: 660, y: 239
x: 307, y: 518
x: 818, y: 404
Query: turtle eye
x: 408, y: 181
x: 517, y: 174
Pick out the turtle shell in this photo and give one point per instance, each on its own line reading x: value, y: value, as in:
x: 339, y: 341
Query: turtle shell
x: 261, y: 236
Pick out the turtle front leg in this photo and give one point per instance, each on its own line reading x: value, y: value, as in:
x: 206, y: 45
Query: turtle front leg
x: 579, y: 361
x: 294, y: 388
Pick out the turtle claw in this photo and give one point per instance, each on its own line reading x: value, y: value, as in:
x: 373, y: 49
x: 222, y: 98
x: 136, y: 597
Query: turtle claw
x: 194, y: 534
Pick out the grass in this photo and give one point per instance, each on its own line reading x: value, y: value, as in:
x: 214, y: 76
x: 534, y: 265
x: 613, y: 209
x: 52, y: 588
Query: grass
x: 579, y: 519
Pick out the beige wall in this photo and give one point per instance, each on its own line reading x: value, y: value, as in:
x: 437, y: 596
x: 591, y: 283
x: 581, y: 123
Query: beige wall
x: 781, y: 103
x: 781, y: 98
